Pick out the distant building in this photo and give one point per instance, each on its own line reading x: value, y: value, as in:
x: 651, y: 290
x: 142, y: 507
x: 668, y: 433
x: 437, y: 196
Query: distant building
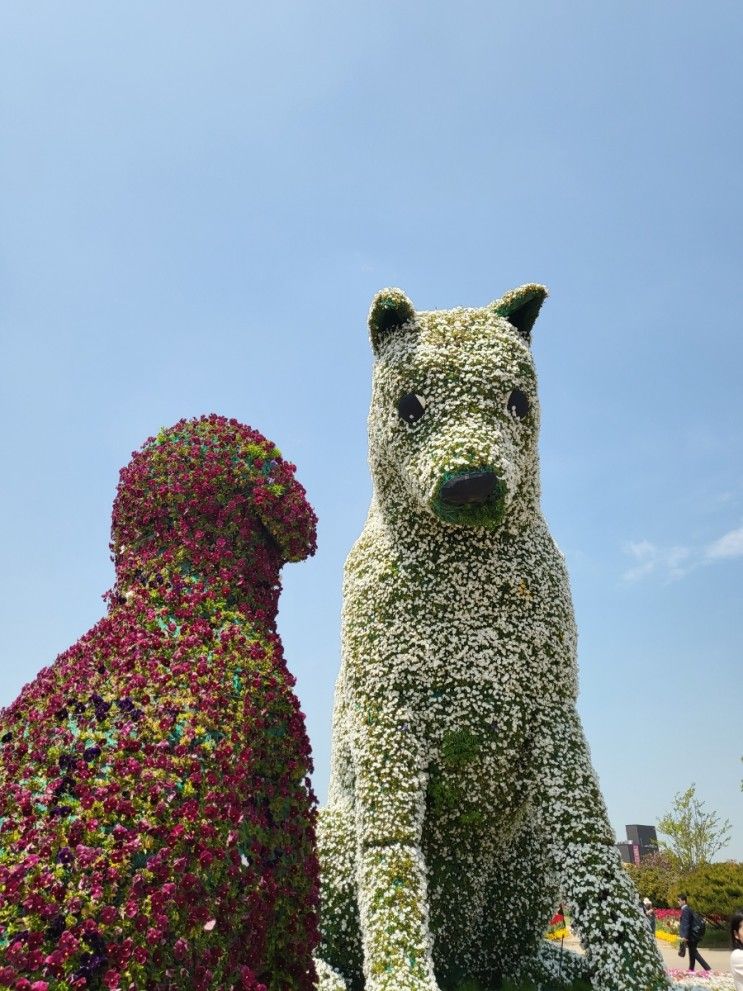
x: 645, y: 837
x: 629, y: 853
x: 640, y: 843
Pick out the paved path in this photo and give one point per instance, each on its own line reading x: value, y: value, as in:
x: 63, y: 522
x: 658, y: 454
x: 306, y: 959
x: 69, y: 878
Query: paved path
x: 717, y: 959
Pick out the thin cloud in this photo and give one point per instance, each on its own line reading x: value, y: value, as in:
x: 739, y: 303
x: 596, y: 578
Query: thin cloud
x: 672, y: 563
x: 729, y: 545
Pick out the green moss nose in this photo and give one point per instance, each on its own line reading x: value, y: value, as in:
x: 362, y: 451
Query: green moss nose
x: 468, y: 487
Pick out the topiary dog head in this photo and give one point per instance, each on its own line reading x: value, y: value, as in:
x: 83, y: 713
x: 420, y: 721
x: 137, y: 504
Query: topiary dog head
x: 454, y: 416
x: 210, y: 495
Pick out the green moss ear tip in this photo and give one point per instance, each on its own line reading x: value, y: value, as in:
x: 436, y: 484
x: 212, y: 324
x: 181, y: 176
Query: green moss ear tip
x: 521, y: 307
x: 390, y: 309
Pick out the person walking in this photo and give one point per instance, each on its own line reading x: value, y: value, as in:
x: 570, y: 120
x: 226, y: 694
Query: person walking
x: 736, y: 944
x: 691, y: 930
x: 647, y: 907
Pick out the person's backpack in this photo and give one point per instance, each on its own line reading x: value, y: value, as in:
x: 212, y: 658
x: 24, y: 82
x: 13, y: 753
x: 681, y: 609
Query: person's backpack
x: 697, y: 926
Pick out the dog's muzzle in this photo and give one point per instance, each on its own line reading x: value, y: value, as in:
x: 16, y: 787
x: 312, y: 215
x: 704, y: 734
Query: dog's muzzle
x: 469, y: 488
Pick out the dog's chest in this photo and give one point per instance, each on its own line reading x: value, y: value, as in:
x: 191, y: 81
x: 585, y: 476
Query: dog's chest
x: 499, y: 628
x: 479, y: 770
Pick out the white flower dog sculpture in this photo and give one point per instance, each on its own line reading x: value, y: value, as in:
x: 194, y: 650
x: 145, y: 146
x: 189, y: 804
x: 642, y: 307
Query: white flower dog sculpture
x: 463, y: 804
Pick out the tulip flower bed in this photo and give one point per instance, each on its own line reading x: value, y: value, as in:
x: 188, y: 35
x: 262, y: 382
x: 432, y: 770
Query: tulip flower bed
x: 668, y: 919
x: 558, y: 927
x: 156, y: 816
x: 667, y: 937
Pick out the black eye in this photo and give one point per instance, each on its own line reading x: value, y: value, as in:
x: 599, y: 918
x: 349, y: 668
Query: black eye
x: 518, y: 404
x: 410, y: 408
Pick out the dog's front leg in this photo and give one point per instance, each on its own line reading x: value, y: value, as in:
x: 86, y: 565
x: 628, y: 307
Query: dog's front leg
x: 393, y: 904
x: 619, y: 945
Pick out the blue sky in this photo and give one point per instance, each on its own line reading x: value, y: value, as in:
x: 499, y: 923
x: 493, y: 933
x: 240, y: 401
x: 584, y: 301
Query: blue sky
x: 198, y: 203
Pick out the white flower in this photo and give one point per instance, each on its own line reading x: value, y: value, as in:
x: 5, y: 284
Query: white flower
x: 463, y: 805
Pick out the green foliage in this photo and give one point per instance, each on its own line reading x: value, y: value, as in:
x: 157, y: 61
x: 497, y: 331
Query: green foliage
x: 713, y: 889
x: 716, y: 938
x: 459, y: 749
x: 654, y: 877
x: 694, y: 834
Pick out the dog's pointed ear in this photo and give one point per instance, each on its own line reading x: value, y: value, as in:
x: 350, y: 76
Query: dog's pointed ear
x: 390, y: 310
x: 521, y: 307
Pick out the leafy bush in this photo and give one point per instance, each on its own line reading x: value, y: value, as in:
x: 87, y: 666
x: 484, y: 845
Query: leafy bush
x: 713, y: 889
x: 716, y: 938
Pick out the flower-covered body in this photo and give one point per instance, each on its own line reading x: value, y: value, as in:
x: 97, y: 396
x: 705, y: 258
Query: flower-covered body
x: 156, y: 817
x: 463, y: 804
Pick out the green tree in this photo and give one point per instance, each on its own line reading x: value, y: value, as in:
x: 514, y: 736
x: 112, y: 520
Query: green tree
x: 654, y: 877
x: 694, y: 834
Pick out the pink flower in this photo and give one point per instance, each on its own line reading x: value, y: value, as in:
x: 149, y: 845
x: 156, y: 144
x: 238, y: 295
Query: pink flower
x: 180, y: 948
x: 190, y: 622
